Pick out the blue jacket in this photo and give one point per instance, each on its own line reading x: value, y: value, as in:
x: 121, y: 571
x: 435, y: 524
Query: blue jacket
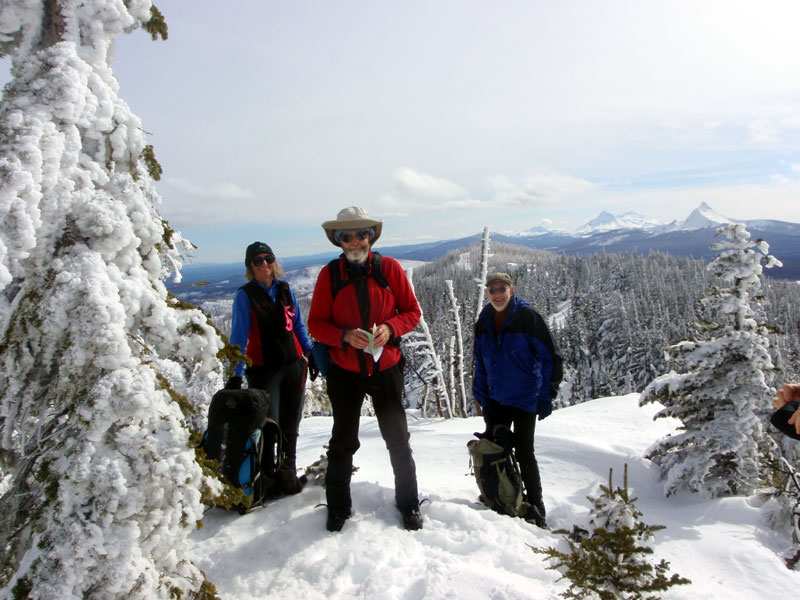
x: 518, y: 366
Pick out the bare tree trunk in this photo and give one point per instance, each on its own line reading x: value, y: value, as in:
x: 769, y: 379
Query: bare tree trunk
x: 481, y: 280
x: 481, y: 283
x: 53, y: 24
x: 451, y: 370
x: 459, y: 355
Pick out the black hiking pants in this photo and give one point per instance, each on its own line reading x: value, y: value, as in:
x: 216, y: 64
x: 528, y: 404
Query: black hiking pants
x: 346, y: 390
x: 524, y: 426
x: 286, y: 387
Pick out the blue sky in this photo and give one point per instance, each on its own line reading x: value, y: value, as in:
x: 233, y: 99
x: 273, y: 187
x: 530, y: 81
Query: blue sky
x: 444, y: 117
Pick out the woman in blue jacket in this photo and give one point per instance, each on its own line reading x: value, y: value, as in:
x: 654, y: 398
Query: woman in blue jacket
x: 268, y: 328
x: 517, y: 373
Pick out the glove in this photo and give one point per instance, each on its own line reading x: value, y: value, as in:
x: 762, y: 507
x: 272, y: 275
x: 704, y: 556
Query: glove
x: 313, y: 369
x: 234, y: 383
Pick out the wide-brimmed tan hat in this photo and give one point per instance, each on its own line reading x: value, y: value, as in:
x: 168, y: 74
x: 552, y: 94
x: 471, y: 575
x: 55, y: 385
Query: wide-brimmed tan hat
x: 352, y: 217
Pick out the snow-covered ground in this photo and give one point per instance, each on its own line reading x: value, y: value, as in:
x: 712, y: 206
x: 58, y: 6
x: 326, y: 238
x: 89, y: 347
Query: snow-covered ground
x: 466, y: 551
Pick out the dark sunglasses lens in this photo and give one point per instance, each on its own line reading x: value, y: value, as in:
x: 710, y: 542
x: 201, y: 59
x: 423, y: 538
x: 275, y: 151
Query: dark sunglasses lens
x: 349, y: 237
x: 497, y: 290
x: 260, y: 260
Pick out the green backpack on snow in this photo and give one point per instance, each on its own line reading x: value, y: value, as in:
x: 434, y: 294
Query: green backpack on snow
x: 497, y: 474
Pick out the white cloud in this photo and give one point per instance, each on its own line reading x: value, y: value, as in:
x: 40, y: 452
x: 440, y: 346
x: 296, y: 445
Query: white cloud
x: 421, y: 185
x: 779, y: 178
x: 194, y: 205
x: 543, y: 188
x: 422, y: 192
x: 222, y: 191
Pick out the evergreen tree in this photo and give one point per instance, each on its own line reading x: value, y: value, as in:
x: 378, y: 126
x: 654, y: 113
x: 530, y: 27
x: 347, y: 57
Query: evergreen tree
x: 720, y: 383
x: 612, y: 561
x: 103, y: 373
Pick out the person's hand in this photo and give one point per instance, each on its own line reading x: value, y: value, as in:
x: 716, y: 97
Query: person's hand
x: 795, y: 420
x: 234, y: 383
x: 787, y: 393
x: 313, y: 369
x: 383, y: 334
x: 357, y: 340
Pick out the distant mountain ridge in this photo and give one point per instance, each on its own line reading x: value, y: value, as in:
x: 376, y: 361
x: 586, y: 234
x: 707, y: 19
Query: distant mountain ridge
x: 605, y: 221
x: 628, y: 232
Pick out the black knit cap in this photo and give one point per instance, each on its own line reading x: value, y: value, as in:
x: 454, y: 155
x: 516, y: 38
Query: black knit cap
x: 254, y: 250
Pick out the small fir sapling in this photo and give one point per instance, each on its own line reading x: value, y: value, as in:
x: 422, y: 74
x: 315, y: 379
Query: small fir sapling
x: 612, y: 561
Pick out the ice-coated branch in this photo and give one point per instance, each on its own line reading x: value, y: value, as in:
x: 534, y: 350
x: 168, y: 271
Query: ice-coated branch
x: 459, y: 351
x: 484, y: 269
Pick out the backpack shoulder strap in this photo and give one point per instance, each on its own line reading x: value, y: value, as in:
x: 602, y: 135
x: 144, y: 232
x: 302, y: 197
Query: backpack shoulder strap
x: 334, y: 268
x: 377, y: 273
x: 337, y: 283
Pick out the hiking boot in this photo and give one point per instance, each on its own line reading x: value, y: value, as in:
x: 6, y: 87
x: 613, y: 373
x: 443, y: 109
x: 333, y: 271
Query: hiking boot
x: 412, y: 519
x: 290, y: 483
x: 539, y: 504
x: 336, y: 520
x: 534, y: 516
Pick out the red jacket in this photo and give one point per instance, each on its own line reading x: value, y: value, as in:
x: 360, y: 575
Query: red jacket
x: 328, y: 320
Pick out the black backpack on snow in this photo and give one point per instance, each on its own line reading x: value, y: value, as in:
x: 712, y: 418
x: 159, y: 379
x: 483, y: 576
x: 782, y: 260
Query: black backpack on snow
x: 497, y: 472
x: 246, y: 442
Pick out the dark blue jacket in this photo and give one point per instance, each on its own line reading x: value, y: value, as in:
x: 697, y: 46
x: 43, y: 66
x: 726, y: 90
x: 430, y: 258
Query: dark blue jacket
x: 520, y: 365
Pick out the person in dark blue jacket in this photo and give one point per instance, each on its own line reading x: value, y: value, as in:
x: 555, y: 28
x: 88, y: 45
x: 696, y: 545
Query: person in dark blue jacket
x: 517, y: 373
x: 268, y: 327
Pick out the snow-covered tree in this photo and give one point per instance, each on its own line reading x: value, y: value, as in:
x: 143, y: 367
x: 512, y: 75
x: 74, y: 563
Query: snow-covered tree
x: 433, y: 372
x: 719, y: 385
x: 104, y: 376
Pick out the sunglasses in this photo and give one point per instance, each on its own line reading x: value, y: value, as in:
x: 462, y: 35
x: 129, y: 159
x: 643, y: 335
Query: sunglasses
x: 260, y: 260
x: 347, y: 237
x: 497, y: 290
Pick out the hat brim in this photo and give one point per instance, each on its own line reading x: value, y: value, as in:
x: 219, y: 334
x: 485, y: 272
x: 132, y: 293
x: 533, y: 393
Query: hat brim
x: 331, y: 227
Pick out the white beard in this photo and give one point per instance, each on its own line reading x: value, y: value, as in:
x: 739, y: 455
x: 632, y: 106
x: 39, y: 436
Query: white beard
x: 355, y: 256
x: 500, y: 308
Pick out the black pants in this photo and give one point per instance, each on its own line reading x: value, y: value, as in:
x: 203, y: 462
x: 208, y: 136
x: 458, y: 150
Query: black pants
x: 286, y: 386
x: 524, y: 426
x: 346, y: 391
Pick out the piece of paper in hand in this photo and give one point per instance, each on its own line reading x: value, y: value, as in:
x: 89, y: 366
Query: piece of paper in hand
x: 376, y: 352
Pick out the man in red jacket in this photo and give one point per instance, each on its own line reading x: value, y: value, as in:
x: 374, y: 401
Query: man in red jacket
x: 364, y: 292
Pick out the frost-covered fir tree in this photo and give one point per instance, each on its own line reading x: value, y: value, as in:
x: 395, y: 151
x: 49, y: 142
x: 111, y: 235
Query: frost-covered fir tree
x: 611, y: 560
x: 718, y: 383
x: 433, y: 373
x: 103, y: 374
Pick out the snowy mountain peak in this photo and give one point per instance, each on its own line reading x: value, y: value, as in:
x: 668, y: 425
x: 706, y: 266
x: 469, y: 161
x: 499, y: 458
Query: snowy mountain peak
x: 702, y: 217
x: 605, y: 221
x: 536, y: 230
